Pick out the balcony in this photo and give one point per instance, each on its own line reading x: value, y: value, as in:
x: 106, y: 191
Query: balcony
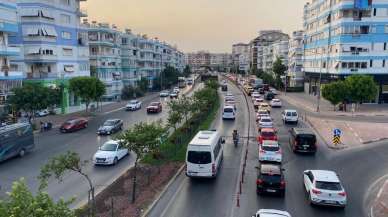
x: 82, y: 12
x: 41, y: 58
x: 10, y: 75
x: 9, y: 51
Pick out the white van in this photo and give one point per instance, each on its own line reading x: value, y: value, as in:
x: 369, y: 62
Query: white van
x: 229, y: 112
x: 204, y: 154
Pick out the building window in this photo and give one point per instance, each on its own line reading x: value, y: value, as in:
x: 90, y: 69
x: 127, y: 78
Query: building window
x: 371, y: 63
x: 65, y: 2
x: 386, y: 29
x: 374, y: 11
x: 65, y: 19
x: 66, y: 35
x: 385, y: 45
x: 67, y: 52
x: 383, y: 63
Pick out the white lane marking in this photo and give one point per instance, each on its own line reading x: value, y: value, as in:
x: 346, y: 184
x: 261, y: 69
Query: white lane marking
x: 114, y: 110
x: 172, y: 199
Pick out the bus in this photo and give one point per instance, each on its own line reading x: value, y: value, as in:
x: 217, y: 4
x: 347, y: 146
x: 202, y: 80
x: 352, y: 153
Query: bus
x: 16, y: 140
x: 181, y: 82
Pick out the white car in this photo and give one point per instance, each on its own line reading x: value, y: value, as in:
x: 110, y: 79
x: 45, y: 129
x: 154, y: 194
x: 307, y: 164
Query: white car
x: 109, y: 153
x: 229, y: 112
x: 260, y: 114
x: 274, y: 91
x: 290, y: 116
x: 255, y: 95
x: 276, y: 103
x: 265, y: 122
x: 257, y: 102
x: 271, y: 213
x: 133, y: 105
x: 324, y: 188
x: 173, y: 95
x: 270, y: 151
x: 164, y: 94
x: 176, y: 90
x: 229, y: 95
x: 42, y: 113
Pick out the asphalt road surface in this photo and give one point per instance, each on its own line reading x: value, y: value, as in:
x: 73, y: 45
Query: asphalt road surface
x: 358, y: 169
x: 85, y: 143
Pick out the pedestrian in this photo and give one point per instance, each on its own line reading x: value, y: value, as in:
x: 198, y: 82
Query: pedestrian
x: 41, y: 126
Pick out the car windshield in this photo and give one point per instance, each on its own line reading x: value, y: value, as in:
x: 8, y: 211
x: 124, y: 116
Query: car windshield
x: 267, y: 134
x: 133, y: 102
x: 199, y: 157
x: 331, y: 186
x: 109, y: 123
x: 154, y: 104
x: 294, y: 114
x: 271, y: 178
x: 109, y: 147
x: 70, y: 122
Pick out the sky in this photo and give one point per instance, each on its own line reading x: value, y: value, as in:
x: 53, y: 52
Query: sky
x: 192, y: 25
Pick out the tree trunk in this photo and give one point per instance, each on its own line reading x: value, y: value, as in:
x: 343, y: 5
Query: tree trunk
x: 134, y: 182
x: 87, y: 106
x: 91, y: 192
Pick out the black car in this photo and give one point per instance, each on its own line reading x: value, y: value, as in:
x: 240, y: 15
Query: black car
x: 269, y: 96
x: 110, y: 126
x: 303, y: 140
x: 270, y: 179
x: 224, y: 87
x: 261, y: 90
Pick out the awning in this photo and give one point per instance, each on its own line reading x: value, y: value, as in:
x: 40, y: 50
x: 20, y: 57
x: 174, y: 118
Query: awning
x: 33, y: 30
x: 33, y: 50
x: 49, y: 31
x: 47, y: 14
x: 69, y: 68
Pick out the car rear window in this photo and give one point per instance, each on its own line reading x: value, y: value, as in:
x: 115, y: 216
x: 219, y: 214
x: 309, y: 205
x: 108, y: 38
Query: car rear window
x: 306, y: 139
x: 265, y: 120
x: 199, y: 157
x: 271, y: 148
x: 331, y: 186
x: 267, y: 134
x: 154, y: 104
x: 271, y: 178
x: 228, y: 110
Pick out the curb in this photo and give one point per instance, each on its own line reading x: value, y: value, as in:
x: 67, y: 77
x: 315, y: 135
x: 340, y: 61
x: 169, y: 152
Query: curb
x: 150, y: 207
x: 372, y: 214
x: 375, y: 140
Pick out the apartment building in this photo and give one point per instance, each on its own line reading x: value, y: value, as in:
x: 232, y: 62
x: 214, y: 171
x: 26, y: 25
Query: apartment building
x: 129, y: 58
x: 295, y: 60
x: 198, y: 60
x: 221, y: 61
x: 266, y: 47
x: 53, y: 44
x: 241, y: 56
x: 10, y: 77
x: 345, y: 37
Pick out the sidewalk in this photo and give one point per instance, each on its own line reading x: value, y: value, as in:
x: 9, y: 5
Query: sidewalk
x: 353, y: 133
x: 380, y: 205
x: 309, y: 103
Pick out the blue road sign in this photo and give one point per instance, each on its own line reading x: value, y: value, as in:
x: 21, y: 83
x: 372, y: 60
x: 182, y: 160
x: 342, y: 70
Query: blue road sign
x: 337, y: 132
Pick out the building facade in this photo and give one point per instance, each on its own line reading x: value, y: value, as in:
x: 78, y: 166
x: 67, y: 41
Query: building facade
x: 295, y: 60
x: 220, y: 61
x: 346, y: 37
x: 10, y: 77
x: 241, y: 57
x: 198, y: 60
x: 53, y: 44
x: 266, y: 47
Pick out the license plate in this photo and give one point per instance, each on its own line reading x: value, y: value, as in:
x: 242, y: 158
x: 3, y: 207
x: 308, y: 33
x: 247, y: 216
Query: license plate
x: 330, y: 202
x: 271, y: 191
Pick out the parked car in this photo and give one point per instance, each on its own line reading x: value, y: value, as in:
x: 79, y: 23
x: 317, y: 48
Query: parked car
x: 271, y: 213
x: 267, y: 134
x: 265, y: 106
x: 269, y: 96
x: 270, y: 179
x: 303, y: 140
x: 72, y: 125
x: 133, y: 105
x: 110, y: 153
x: 42, y: 113
x: 323, y: 187
x: 110, y: 126
x: 229, y: 112
x: 164, y: 94
x: 270, y: 150
x: 154, y: 107
x: 276, y: 103
x: 290, y: 116
x: 265, y: 122
x: 173, y: 95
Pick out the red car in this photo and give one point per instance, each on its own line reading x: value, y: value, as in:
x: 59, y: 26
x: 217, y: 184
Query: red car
x: 154, y: 107
x: 267, y: 134
x: 75, y: 124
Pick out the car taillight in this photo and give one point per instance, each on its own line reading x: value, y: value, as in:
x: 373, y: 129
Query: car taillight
x: 283, y: 184
x: 213, y: 169
x: 343, y: 194
x: 262, y: 151
x: 259, y: 181
x: 315, y: 191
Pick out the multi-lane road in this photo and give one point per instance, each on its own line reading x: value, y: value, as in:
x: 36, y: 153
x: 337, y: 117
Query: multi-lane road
x: 358, y: 170
x: 85, y: 143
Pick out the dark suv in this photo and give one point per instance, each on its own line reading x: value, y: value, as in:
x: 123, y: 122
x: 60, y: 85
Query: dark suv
x: 270, y: 179
x: 303, y: 140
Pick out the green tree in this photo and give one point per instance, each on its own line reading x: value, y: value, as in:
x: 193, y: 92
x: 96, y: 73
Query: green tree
x: 143, y: 84
x: 187, y: 71
x: 169, y: 77
x: 361, y: 88
x: 87, y: 88
x: 335, y: 92
x: 22, y: 203
x: 142, y: 138
x: 33, y: 97
x: 62, y: 164
x: 278, y: 69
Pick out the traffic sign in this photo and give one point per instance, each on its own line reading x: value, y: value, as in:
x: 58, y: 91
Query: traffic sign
x: 337, y: 132
x: 337, y: 140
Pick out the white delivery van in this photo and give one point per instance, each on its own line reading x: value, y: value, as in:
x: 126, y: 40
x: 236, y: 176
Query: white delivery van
x: 204, y: 154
